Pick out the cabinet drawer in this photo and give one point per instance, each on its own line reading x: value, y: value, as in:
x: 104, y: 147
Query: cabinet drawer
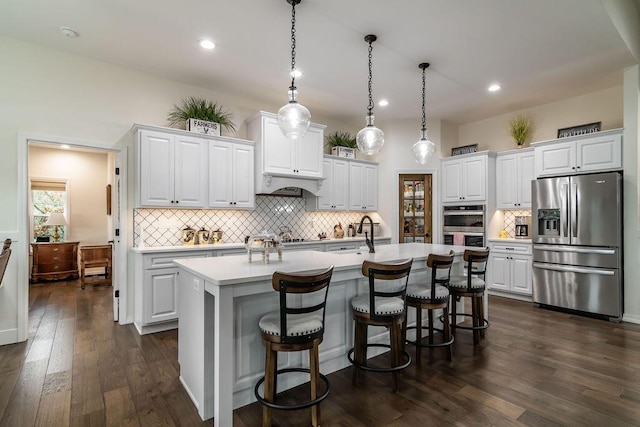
x: 513, y: 248
x: 166, y: 259
x: 53, y: 267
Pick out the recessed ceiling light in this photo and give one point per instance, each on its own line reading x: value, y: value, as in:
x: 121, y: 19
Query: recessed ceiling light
x: 383, y: 103
x: 296, y: 73
x: 65, y: 146
x: 69, y: 32
x: 207, y: 44
x: 494, y: 87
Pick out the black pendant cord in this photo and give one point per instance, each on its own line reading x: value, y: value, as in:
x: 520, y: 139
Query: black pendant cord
x: 424, y: 67
x: 370, y: 39
x: 293, y: 44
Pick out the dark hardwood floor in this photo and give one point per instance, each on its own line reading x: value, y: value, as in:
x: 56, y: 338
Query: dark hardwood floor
x: 535, y: 367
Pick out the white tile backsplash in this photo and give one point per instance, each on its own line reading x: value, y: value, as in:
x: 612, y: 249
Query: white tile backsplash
x: 162, y: 227
x: 510, y: 221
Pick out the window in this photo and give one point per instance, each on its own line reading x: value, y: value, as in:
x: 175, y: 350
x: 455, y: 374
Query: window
x: 47, y: 197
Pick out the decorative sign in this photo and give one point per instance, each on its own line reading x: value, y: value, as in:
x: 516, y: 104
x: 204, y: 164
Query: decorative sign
x: 466, y: 149
x: 202, y: 126
x: 580, y: 130
x: 346, y: 152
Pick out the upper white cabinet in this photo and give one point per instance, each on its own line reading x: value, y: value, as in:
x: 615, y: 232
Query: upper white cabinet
x: 363, y: 186
x: 514, y: 172
x: 579, y: 154
x: 277, y: 156
x: 231, y: 175
x: 171, y: 169
x: 334, y: 193
x: 465, y: 178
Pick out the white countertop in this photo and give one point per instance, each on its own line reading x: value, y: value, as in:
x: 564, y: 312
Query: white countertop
x: 237, y: 269
x: 237, y: 245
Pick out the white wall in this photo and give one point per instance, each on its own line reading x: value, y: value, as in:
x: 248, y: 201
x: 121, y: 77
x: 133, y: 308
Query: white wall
x: 86, y: 175
x: 493, y: 133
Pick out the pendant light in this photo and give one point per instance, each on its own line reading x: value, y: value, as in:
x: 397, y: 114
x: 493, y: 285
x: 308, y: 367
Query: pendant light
x: 293, y: 118
x: 370, y: 139
x: 424, y: 149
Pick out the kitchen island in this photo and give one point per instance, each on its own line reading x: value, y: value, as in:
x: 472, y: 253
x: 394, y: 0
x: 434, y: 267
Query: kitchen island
x: 220, y: 352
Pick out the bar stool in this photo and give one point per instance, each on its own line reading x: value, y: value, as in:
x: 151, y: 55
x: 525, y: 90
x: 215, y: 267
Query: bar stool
x: 303, y: 326
x: 431, y: 296
x: 471, y: 286
x: 383, y: 305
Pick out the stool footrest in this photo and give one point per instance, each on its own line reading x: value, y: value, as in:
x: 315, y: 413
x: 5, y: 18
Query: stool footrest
x: 485, y: 323
x: 374, y: 369
x: 438, y: 344
x: 295, y: 406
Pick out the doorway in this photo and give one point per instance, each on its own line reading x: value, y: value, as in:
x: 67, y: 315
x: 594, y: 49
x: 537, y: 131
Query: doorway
x: 113, y: 224
x: 415, y: 208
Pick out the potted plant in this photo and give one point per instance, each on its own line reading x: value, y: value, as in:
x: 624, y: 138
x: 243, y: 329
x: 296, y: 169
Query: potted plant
x: 196, y: 114
x: 341, y: 144
x: 520, y: 127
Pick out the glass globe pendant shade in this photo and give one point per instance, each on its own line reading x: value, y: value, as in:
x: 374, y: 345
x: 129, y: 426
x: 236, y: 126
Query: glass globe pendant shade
x: 370, y: 139
x: 294, y: 118
x: 423, y: 150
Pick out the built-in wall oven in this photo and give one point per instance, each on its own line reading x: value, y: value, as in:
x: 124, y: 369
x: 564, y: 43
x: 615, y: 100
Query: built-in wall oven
x: 464, y: 225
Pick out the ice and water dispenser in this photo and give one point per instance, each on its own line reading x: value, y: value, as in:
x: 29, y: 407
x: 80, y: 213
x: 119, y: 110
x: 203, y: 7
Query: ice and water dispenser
x: 549, y: 222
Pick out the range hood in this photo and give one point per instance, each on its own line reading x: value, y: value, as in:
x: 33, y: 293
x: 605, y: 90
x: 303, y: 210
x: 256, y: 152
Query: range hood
x: 270, y: 184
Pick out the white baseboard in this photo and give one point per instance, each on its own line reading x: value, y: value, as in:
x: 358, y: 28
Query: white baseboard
x: 9, y: 336
x: 631, y: 318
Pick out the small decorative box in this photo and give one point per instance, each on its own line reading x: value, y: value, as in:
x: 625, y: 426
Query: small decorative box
x: 347, y: 152
x: 202, y: 126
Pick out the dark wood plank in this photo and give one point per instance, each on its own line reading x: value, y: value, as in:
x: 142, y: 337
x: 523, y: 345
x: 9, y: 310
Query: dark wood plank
x: 54, y: 409
x: 119, y: 408
x: 25, y: 399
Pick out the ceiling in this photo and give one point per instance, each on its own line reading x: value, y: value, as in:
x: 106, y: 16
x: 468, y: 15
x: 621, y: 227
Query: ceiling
x: 539, y: 51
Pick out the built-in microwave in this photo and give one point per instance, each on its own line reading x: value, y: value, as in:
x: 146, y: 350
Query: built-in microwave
x: 464, y: 224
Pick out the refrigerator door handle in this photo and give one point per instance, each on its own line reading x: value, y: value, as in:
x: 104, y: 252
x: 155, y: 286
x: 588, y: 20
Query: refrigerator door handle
x: 575, y: 250
x: 574, y: 210
x: 565, y: 201
x: 569, y: 269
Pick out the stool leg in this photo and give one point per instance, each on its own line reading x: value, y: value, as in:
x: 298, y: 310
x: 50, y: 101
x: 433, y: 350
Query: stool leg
x: 395, y: 352
x: 315, y: 370
x: 430, y: 315
x: 454, y: 314
x: 446, y: 329
x: 419, y: 334
x: 481, y: 314
x: 357, y: 349
x: 269, y: 375
x: 474, y: 317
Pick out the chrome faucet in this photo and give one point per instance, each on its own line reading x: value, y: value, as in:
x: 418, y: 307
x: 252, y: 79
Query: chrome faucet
x: 366, y: 236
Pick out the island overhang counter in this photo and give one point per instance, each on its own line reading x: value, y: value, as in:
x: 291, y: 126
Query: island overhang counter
x: 220, y: 352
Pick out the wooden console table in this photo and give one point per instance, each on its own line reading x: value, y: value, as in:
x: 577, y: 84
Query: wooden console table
x: 54, y: 261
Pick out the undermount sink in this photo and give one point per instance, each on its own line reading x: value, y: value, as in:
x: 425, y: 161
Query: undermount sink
x: 358, y: 251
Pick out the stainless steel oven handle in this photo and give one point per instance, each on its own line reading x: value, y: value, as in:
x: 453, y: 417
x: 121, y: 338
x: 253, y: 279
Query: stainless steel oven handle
x: 466, y: 213
x: 575, y: 250
x: 567, y: 269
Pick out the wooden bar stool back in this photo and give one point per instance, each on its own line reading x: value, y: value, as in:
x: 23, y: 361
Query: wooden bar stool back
x: 472, y: 286
x: 297, y: 326
x: 431, y: 296
x: 384, y: 305
x: 4, y: 258
x: 96, y: 256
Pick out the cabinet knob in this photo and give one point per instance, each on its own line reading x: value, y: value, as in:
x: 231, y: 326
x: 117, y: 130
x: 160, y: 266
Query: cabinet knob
x: 577, y: 167
x: 177, y: 201
x: 573, y: 167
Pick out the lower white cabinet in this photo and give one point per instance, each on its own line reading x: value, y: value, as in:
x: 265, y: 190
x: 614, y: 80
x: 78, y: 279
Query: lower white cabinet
x: 156, y: 290
x: 510, y: 268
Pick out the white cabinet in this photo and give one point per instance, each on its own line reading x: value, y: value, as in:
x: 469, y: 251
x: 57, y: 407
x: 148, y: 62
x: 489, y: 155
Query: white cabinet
x: 156, y: 290
x: 465, y: 179
x: 363, y: 186
x: 514, y: 173
x: 277, y: 156
x: 510, y: 268
x: 171, y: 170
x: 580, y: 154
x: 231, y: 175
x: 334, y: 193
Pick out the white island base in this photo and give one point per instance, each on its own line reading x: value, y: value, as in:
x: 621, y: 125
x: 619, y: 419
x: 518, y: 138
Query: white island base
x: 220, y: 351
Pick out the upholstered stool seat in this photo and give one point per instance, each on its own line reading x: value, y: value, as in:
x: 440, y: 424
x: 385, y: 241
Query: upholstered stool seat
x: 473, y: 287
x: 384, y: 305
x: 430, y: 296
x: 297, y: 326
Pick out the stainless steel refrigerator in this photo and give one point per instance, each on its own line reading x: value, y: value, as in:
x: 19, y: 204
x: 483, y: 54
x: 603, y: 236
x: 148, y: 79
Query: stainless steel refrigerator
x: 577, y: 243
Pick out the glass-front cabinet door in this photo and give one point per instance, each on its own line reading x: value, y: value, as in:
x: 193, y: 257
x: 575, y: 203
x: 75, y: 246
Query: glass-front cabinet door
x: 415, y: 208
